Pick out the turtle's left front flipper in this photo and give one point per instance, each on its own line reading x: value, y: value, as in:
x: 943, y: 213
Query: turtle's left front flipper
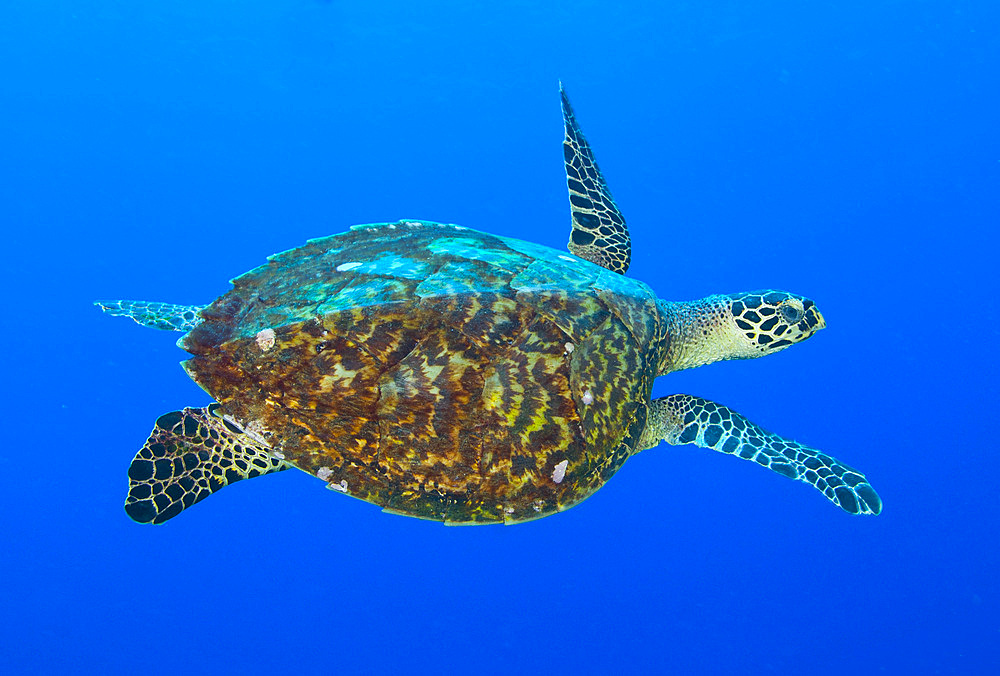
x: 683, y: 419
x: 189, y: 455
x: 599, y: 233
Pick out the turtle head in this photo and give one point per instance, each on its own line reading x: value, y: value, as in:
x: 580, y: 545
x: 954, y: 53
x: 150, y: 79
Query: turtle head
x: 770, y: 321
x: 735, y: 326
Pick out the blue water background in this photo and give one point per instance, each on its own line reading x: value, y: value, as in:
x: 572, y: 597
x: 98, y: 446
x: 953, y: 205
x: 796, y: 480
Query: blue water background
x: 844, y: 150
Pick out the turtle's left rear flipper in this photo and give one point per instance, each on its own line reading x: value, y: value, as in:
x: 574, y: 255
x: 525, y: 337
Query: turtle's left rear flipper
x: 683, y: 419
x: 156, y: 315
x: 189, y: 455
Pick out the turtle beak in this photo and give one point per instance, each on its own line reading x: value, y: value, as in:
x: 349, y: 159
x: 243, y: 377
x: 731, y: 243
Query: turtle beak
x: 816, y: 321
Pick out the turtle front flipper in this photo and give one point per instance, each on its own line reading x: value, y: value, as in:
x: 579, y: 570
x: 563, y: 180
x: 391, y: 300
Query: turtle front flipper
x: 156, y: 315
x: 189, y: 455
x: 599, y: 233
x: 683, y: 419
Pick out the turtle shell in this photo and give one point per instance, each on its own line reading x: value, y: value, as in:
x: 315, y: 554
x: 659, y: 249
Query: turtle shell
x: 436, y: 371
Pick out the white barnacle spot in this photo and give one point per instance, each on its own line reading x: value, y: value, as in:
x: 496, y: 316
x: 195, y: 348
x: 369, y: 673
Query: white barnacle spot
x: 340, y: 488
x: 570, y: 347
x: 278, y: 454
x: 588, y: 398
x: 324, y: 473
x: 560, y: 471
x: 344, y: 267
x: 508, y: 510
x: 537, y: 505
x: 265, y: 339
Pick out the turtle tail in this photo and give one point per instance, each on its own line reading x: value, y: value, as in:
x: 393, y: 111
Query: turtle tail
x: 156, y: 315
x: 189, y: 455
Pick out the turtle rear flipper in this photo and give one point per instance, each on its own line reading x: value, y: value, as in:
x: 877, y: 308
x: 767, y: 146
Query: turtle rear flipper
x: 189, y: 455
x: 155, y: 315
x: 683, y: 419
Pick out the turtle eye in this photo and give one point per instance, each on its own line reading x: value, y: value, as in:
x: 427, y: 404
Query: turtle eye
x: 791, y: 313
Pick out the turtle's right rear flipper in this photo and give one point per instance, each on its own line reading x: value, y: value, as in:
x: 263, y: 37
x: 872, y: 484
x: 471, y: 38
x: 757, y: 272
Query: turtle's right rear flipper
x: 156, y: 315
x: 189, y: 455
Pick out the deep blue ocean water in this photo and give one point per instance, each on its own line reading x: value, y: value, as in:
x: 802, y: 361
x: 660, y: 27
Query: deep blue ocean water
x: 845, y: 150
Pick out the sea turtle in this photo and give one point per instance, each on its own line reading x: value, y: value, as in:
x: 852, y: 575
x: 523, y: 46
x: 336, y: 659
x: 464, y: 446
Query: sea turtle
x: 449, y: 374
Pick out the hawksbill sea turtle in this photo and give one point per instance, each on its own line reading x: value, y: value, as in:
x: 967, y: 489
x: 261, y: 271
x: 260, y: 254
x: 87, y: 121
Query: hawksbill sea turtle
x: 449, y: 374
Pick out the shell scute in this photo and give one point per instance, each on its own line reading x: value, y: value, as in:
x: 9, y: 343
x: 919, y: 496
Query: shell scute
x: 577, y: 314
x: 390, y: 264
x: 548, y: 274
x: 633, y: 303
x: 471, y: 248
x: 462, y: 276
x: 366, y: 292
x: 387, y: 333
x: 573, y: 267
x: 609, y: 375
x: 488, y: 319
x: 423, y: 402
x: 528, y: 423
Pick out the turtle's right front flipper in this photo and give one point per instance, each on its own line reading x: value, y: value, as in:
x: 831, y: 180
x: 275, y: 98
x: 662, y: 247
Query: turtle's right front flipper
x: 189, y: 455
x: 156, y: 315
x: 683, y: 419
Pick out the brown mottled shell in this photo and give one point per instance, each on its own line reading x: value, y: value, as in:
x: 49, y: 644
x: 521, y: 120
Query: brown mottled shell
x: 436, y: 371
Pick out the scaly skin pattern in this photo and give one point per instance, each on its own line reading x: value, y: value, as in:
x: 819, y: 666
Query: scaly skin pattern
x: 735, y: 326
x: 190, y: 455
x: 599, y: 232
x: 684, y: 419
x: 164, y: 316
x: 437, y: 371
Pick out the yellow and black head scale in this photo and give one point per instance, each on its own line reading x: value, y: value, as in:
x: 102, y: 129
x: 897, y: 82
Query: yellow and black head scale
x: 772, y: 320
